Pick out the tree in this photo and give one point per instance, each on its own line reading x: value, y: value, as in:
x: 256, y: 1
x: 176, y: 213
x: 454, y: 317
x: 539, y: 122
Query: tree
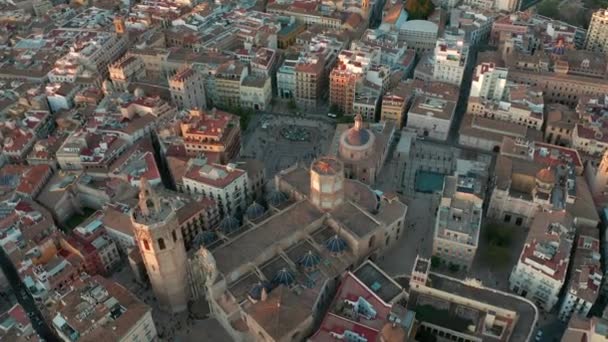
x: 435, y: 261
x: 453, y: 267
x: 549, y: 8
x: 419, y: 9
x: 335, y: 109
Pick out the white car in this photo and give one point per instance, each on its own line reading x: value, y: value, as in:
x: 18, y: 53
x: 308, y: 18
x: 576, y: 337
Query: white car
x: 539, y: 335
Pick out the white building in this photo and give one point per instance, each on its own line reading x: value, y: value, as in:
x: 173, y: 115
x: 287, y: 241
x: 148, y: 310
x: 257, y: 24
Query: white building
x: 585, y: 275
x: 541, y: 269
x: 225, y: 184
x: 420, y: 35
x: 286, y: 79
x: 458, y: 222
x: 450, y: 61
x: 489, y: 81
x: 597, y: 34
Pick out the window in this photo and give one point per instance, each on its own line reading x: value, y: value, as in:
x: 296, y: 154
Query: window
x: 507, y: 218
x: 174, y: 236
x: 161, y: 243
x: 146, y: 245
x: 519, y: 221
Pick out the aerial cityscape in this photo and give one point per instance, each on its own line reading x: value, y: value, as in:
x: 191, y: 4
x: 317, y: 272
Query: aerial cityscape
x: 304, y: 170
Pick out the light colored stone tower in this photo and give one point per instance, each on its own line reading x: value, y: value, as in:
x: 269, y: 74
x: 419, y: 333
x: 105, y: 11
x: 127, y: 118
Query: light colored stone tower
x: 327, y: 183
x: 162, y: 249
x: 601, y: 177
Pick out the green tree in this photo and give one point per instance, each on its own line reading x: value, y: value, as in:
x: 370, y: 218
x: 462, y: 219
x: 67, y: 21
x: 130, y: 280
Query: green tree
x: 419, y: 9
x: 292, y: 105
x: 435, y: 261
x: 549, y: 8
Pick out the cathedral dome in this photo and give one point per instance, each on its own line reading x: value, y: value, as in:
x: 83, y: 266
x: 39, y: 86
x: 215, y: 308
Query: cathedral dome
x: 545, y: 175
x: 357, y: 142
x: 255, y: 211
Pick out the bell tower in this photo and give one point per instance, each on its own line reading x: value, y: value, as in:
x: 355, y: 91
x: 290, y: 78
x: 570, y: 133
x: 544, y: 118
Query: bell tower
x: 162, y: 249
x: 601, y: 176
x: 119, y: 25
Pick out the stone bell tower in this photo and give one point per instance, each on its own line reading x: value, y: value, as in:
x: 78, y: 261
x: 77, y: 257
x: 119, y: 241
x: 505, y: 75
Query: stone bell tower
x: 162, y: 249
x: 598, y: 186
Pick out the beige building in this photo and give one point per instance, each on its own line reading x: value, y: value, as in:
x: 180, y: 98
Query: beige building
x: 597, y: 34
x: 187, y: 88
x: 227, y: 84
x: 589, y: 329
x: 465, y: 310
x: 393, y: 109
x: 531, y: 177
x: 451, y: 58
x: 310, y: 81
x: 431, y: 116
x: 162, y: 249
x: 126, y: 70
x: 258, y: 281
x: 256, y: 92
x: 458, y: 222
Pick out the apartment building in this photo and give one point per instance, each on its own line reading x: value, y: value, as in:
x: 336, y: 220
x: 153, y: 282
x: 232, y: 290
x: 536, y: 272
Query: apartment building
x: 597, y: 34
x: 489, y: 81
x: 522, y: 105
x: 227, y: 84
x: 95, y: 308
x: 342, y: 88
x: 394, y: 104
x: 310, y: 81
x: 541, y: 269
x: 215, y: 133
x: 585, y: 277
x: 458, y: 222
x: 451, y: 58
x: 286, y: 78
x: 187, y: 88
x: 126, y: 70
x: 225, y: 184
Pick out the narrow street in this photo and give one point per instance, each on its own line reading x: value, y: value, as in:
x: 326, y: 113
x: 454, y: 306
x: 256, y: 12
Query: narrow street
x: 25, y: 299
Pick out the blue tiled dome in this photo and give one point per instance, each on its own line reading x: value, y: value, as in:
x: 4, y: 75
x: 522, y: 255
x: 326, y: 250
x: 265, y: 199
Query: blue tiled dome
x: 284, y: 277
x: 204, y: 238
x: 229, y: 224
x: 335, y: 244
x: 256, y: 290
x: 276, y: 198
x: 254, y: 211
x: 309, y: 260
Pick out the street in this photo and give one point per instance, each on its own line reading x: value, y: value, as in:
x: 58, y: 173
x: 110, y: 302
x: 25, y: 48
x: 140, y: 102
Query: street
x: 24, y: 298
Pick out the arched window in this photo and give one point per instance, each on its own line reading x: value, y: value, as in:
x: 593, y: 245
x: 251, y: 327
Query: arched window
x: 146, y: 245
x: 161, y: 243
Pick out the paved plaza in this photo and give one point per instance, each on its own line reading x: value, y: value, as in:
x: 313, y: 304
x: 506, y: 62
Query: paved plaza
x: 269, y: 141
x: 418, y: 236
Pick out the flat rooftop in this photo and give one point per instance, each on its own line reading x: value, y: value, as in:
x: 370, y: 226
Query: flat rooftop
x: 354, y: 219
x: 525, y: 322
x: 377, y: 281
